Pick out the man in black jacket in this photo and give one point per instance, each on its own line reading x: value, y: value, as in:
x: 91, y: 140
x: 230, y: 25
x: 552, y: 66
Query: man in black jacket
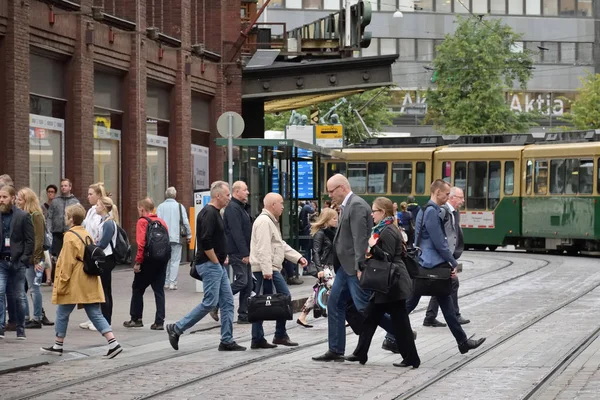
x: 238, y: 228
x: 16, y: 249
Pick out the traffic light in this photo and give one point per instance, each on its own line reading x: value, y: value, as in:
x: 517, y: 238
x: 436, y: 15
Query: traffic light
x: 361, y: 14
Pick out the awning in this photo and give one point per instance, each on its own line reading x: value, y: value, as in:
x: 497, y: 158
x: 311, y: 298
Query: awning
x: 294, y: 103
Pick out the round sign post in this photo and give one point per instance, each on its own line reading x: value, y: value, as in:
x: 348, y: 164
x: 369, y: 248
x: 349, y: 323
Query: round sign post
x: 229, y: 125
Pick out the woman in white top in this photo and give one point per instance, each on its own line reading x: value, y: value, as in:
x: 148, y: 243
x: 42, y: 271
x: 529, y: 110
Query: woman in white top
x: 106, y: 239
x: 92, y: 219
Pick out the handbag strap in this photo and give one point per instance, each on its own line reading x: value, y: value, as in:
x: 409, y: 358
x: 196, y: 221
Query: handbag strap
x: 421, y: 225
x: 180, y: 214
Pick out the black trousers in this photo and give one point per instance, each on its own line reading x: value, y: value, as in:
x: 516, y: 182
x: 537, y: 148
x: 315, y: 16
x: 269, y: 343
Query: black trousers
x: 401, y: 327
x: 242, y: 283
x: 433, y: 307
x: 154, y: 276
x: 106, y: 279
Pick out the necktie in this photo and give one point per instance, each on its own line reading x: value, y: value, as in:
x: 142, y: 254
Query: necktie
x: 341, y: 211
x: 456, y: 222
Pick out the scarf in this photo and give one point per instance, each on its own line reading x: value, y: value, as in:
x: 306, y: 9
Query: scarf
x: 379, y: 227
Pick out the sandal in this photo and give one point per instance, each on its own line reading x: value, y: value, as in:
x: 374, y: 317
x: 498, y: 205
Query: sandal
x: 303, y: 324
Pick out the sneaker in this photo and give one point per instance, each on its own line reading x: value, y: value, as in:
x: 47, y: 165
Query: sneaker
x: 45, y: 320
x: 85, y: 325
x: 233, y: 346
x: 215, y: 314
x: 166, y: 285
x: 33, y: 324
x: 295, y: 281
x: 1, y: 334
x: 51, y: 350
x: 112, y: 353
x: 172, y: 286
x: 21, y: 336
x: 173, y: 336
x: 390, y: 346
x: 92, y: 327
x: 133, y: 324
x: 157, y: 327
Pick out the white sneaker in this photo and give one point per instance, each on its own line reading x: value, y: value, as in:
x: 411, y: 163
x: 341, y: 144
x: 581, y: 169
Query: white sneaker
x: 172, y: 286
x: 92, y: 327
x: 86, y: 325
x: 166, y: 285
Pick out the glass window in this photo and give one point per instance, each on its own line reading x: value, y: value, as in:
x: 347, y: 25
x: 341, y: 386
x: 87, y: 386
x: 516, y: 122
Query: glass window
x: 311, y: 4
x: 494, y: 179
x: 420, y: 184
x: 586, y: 179
x: 567, y: 8
x: 550, y: 56
x: 460, y: 175
x: 535, y: 52
x: 509, y: 177
x: 388, y: 5
x: 541, y: 177
x: 357, y: 175
x: 477, y: 185
x: 585, y: 53
x: 336, y: 168
x: 424, y: 49
x: 461, y: 6
x: 378, y: 177
x: 479, y: 7
x: 293, y: 3
x: 497, y: 6
x: 107, y: 137
x: 372, y: 50
x: 447, y: 171
x: 557, y: 176
x: 515, y: 7
x: 388, y: 46
x: 332, y: 5
x: 45, y: 152
x: 572, y: 176
x: 584, y: 8
x: 550, y: 7
x: 407, y: 50
x: 567, y: 53
x: 401, y: 178
x: 424, y: 5
x: 444, y: 6
x: 156, y: 160
x: 528, y: 176
x: 533, y: 7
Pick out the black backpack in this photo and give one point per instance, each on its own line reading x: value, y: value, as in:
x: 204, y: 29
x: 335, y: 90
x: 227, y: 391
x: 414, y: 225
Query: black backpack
x: 158, y: 245
x: 93, y: 256
x: 122, y: 248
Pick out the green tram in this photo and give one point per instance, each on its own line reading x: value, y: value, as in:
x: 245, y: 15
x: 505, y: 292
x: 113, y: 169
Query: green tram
x: 538, y: 196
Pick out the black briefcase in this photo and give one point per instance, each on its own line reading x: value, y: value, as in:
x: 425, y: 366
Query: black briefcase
x: 433, y: 281
x: 270, y: 307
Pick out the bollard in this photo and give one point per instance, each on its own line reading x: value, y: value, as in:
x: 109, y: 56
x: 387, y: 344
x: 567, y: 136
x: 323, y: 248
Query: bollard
x: 199, y: 287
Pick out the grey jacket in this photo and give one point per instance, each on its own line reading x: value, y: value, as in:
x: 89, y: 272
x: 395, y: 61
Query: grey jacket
x: 453, y: 233
x: 55, y: 219
x: 352, y: 238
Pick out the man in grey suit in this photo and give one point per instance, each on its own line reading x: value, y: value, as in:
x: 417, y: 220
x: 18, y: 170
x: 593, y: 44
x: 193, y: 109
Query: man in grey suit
x: 455, y: 243
x: 350, y: 244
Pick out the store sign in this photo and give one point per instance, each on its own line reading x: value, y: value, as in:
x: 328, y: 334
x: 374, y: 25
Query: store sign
x: 330, y: 136
x: 200, y: 167
x: 303, y: 133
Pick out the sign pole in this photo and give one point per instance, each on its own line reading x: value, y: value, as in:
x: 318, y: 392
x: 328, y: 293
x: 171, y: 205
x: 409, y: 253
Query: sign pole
x: 230, y: 149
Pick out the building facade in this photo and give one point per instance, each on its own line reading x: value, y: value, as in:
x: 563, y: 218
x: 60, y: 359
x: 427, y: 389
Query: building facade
x: 565, y: 29
x: 126, y: 92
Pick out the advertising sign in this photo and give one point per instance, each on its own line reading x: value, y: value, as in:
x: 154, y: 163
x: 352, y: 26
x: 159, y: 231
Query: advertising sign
x: 200, y: 167
x: 330, y: 136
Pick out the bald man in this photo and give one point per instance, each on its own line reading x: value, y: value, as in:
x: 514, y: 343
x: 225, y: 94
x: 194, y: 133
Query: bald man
x: 267, y: 252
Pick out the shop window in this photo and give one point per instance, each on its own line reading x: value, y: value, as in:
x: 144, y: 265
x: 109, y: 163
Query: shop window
x: 533, y: 7
x: 378, y: 178
x: 550, y: 7
x: 420, y: 183
x: 461, y: 6
x: 107, y: 140
x: 477, y: 185
x: 357, y: 176
x: 528, y: 176
x: 557, y: 176
x: 586, y: 176
x: 515, y: 7
x: 45, y: 152
x: 401, y: 178
x: 568, y: 8
x: 460, y: 175
x: 497, y: 6
x: 584, y: 8
x: 447, y: 171
x: 509, y: 177
x: 541, y: 177
x: 572, y: 176
x: 494, y: 179
x: 336, y: 168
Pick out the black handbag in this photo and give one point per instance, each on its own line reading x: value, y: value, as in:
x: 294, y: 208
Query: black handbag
x: 183, y: 232
x: 377, y: 275
x: 411, y: 261
x: 433, y: 282
x: 270, y: 307
x: 194, y: 272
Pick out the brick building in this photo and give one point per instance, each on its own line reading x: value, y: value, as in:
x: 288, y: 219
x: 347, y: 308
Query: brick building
x: 119, y: 91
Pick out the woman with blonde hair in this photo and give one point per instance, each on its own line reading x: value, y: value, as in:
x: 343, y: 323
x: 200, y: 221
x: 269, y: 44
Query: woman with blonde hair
x: 28, y: 201
x: 106, y: 239
x: 73, y: 287
x: 323, y: 231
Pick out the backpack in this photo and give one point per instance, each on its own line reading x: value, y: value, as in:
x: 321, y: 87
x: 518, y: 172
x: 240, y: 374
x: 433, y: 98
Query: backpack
x: 121, y: 248
x: 93, y: 256
x: 158, y: 245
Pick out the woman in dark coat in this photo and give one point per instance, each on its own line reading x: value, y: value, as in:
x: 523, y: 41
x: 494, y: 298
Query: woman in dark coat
x: 386, y: 240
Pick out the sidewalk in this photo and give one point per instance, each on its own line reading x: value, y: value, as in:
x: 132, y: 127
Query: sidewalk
x: 17, y: 354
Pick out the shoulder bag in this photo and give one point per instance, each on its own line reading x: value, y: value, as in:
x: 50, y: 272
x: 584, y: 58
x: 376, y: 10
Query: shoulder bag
x: 377, y: 275
x: 270, y: 307
x: 183, y: 232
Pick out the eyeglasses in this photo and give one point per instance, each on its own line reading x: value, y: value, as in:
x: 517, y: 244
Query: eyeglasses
x: 376, y: 211
x: 333, y: 190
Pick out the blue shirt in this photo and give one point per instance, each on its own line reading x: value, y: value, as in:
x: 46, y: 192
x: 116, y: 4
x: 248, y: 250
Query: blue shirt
x: 434, y: 244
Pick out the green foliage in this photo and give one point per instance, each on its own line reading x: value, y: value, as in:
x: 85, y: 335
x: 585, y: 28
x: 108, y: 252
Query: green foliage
x: 475, y: 66
x: 585, y: 111
x: 376, y: 115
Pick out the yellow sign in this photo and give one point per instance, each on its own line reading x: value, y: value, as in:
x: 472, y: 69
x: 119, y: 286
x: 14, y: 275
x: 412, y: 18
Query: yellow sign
x: 330, y: 132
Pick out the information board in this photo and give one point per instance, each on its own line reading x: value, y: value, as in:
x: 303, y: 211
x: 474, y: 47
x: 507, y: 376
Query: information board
x: 305, y: 178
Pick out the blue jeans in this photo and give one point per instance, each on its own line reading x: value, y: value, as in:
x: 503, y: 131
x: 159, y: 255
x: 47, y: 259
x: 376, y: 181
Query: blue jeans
x: 258, y: 333
x: 93, y: 311
x: 449, y: 312
x: 12, y: 285
x: 217, y: 291
x: 36, y: 295
x: 345, y: 287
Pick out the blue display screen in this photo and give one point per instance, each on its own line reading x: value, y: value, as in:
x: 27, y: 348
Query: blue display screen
x: 304, y: 177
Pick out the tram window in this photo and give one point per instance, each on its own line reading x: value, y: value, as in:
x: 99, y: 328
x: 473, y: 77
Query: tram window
x: 401, y: 178
x: 572, y: 176
x: 447, y: 171
x: 477, y: 185
x: 420, y: 184
x: 494, y: 184
x: 528, y: 176
x: 336, y: 168
x: 357, y: 176
x: 377, y: 178
x: 557, y: 176
x: 460, y: 175
x: 541, y: 177
x: 586, y: 176
x: 509, y: 177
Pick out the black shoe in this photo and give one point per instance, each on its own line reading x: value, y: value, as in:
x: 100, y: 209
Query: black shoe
x: 45, y: 320
x: 390, y: 346
x: 470, y: 344
x: 233, y: 346
x: 330, y: 356
x: 133, y: 324
x: 243, y: 321
x: 52, y: 350
x: 112, y: 353
x: 214, y: 314
x: 262, y: 345
x: 354, y: 358
x: 433, y: 323
x: 1, y: 334
x: 173, y: 336
x: 33, y: 324
x: 284, y: 342
x: 295, y: 281
x: 462, y: 320
x: 157, y: 327
x: 406, y: 364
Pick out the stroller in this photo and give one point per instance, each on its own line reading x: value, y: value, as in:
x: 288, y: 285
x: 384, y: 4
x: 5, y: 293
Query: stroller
x: 321, y: 293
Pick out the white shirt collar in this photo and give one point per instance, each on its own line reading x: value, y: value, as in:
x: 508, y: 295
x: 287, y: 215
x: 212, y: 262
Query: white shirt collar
x: 452, y: 209
x: 346, y: 199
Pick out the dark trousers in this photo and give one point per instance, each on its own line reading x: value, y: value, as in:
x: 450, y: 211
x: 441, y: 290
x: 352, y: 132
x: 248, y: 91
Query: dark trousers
x: 447, y: 307
x: 242, y: 283
x: 400, y: 325
x: 154, y: 276
x: 106, y: 279
x: 57, y: 243
x: 290, y: 270
x: 432, y: 309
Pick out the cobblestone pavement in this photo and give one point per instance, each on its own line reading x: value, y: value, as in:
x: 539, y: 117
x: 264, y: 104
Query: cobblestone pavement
x: 534, y: 284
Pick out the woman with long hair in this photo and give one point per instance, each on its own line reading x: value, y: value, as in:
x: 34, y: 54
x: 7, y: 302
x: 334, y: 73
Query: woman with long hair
x: 323, y: 232
x: 28, y: 201
x: 386, y: 244
x: 106, y: 239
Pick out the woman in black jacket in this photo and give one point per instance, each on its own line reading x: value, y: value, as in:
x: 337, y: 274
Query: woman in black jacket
x: 323, y: 232
x: 385, y: 244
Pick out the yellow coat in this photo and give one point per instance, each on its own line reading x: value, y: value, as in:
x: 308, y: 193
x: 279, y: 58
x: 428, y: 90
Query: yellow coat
x: 71, y: 284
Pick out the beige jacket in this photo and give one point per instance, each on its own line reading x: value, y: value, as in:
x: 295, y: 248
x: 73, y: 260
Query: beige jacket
x: 267, y: 248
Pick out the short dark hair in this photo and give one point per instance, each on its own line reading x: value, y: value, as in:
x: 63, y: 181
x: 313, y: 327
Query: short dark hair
x: 52, y: 187
x: 438, y: 184
x: 66, y: 180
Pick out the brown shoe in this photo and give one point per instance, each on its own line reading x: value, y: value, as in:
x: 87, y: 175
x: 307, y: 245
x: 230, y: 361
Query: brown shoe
x: 10, y: 327
x: 262, y: 345
x: 284, y: 341
x: 133, y: 324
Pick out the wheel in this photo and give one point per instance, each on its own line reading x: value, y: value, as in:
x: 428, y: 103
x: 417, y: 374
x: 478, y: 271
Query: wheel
x: 492, y: 248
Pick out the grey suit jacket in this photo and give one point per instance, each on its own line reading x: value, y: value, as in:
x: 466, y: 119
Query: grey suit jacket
x: 352, y: 238
x: 454, y: 233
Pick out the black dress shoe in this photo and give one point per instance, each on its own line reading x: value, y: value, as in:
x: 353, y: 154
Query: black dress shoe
x: 470, y: 344
x: 330, y: 356
x: 353, y: 358
x: 433, y: 323
x: 390, y: 346
x: 262, y: 345
x: 406, y: 364
x: 462, y: 320
x: 284, y: 342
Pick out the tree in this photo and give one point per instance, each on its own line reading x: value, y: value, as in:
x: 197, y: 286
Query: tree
x: 585, y: 111
x: 376, y: 114
x: 473, y: 68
